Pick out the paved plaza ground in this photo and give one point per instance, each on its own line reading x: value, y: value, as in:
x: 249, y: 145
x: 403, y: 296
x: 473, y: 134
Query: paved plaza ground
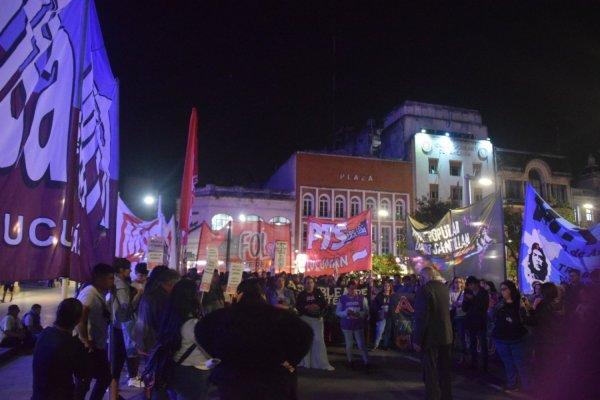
x: 395, y: 375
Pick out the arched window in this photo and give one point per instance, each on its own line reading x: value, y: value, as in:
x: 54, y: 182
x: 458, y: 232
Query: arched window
x: 354, y: 206
x: 399, y: 210
x: 385, y: 209
x: 535, y: 181
x: 219, y: 221
x: 370, y: 205
x: 307, y: 205
x: 279, y: 221
x: 340, y: 207
x: 324, y: 206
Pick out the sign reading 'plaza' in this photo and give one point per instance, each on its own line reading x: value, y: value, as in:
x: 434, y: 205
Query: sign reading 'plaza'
x: 355, y: 177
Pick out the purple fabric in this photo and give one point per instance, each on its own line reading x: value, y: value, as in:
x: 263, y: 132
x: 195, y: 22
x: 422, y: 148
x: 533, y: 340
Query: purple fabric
x: 356, y: 304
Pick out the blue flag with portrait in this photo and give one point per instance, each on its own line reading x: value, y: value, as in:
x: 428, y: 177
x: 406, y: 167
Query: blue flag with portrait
x: 551, y: 246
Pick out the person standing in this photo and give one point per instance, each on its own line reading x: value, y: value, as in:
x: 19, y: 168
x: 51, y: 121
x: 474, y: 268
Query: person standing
x: 93, y: 332
x: 311, y: 305
x: 9, y: 286
x: 59, y: 356
x: 432, y: 335
x: 510, y: 336
x: 280, y: 296
x: 475, y: 305
x: 383, y: 314
x: 352, y: 308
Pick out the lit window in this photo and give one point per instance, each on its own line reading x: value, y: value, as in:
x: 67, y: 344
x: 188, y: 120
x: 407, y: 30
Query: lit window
x: 370, y: 203
x: 219, y: 221
x: 434, y: 192
x: 476, y: 169
x: 385, y: 208
x: 385, y: 240
x: 279, y: 221
x: 340, y: 207
x: 589, y: 216
x: 323, y: 206
x: 399, y: 210
x: 433, y: 166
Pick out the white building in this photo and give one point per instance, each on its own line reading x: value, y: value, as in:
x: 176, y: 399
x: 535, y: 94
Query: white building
x: 449, y: 148
x: 218, y: 205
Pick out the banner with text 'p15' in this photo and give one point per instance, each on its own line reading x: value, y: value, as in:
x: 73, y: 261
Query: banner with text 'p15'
x: 58, y: 141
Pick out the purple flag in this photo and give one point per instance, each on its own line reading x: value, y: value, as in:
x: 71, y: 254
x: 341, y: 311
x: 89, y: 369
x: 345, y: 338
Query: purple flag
x: 58, y: 141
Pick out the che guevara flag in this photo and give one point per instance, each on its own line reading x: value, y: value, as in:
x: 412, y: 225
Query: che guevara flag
x: 340, y: 246
x: 58, y: 141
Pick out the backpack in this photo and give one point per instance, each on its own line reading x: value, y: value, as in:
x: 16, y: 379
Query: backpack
x: 160, y: 366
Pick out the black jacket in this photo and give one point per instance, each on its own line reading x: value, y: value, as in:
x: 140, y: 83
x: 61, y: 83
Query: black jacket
x: 507, y: 322
x: 432, y: 316
x: 316, y: 297
x: 476, y: 309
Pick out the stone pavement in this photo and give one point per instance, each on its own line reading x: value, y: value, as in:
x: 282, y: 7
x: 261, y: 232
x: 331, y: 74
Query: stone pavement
x: 394, y: 375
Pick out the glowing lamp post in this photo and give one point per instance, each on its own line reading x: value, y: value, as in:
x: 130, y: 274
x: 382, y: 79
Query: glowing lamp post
x: 482, y: 181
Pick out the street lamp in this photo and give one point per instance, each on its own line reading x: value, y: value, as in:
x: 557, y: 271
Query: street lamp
x: 482, y: 181
x: 301, y: 263
x: 383, y: 213
x: 149, y: 200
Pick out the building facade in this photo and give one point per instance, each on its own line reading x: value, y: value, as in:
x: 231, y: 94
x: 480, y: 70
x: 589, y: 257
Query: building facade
x: 586, y: 195
x: 337, y: 187
x: 218, y: 205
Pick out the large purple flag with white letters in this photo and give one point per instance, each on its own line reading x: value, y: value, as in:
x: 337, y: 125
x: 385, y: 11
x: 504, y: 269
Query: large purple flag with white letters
x: 58, y: 140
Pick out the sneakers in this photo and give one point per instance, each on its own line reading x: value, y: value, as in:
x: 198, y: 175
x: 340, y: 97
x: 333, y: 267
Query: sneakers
x: 330, y: 368
x: 510, y: 389
x: 135, y: 382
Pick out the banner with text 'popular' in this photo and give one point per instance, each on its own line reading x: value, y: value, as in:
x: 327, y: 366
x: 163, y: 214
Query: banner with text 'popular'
x: 466, y: 241
x: 340, y: 246
x: 551, y: 246
x: 58, y: 141
x: 252, y: 243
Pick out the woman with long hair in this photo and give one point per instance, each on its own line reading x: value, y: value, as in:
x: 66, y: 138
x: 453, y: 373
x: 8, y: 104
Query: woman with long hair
x: 189, y: 379
x: 510, y: 336
x: 311, y: 305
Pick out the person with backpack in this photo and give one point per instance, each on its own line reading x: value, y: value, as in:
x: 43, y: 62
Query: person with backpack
x: 122, y: 348
x: 177, y: 362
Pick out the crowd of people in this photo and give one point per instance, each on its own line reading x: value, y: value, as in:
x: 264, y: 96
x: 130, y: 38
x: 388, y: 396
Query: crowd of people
x: 187, y: 338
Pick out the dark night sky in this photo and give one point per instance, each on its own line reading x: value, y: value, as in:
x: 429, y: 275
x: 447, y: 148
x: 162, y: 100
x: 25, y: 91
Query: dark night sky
x: 260, y: 74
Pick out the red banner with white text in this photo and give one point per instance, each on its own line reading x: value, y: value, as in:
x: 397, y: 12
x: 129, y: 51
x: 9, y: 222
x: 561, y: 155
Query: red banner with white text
x: 337, y: 247
x: 251, y: 243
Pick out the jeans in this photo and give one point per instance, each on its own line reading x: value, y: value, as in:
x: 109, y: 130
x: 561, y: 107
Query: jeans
x: 118, y: 356
x: 459, y: 331
x: 436, y: 362
x: 515, y: 356
x: 480, y: 334
x: 359, y: 336
x: 384, y: 331
x: 99, y: 369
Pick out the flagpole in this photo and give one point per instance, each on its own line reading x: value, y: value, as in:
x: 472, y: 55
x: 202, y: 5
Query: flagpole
x: 228, y: 248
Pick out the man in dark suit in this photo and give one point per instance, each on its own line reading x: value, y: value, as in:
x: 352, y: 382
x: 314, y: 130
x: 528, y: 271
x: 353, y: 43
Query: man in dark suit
x: 432, y: 336
x: 475, y: 305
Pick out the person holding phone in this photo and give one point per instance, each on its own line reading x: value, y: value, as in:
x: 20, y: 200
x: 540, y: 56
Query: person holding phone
x: 352, y: 308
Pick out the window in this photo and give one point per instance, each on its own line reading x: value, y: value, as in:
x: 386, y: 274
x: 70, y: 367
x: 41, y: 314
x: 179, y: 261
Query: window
x: 400, y: 234
x: 477, y: 194
x: 304, y: 235
x: 279, y: 221
x: 514, y: 190
x: 323, y: 206
x: 399, y: 210
x: 433, y: 166
x: 307, y: 205
x: 558, y: 193
x: 455, y: 168
x: 340, y: 207
x: 476, y: 169
x: 370, y: 203
x: 219, y: 221
x: 434, y: 192
x: 385, y: 240
x: 354, y: 206
x: 456, y: 193
x: 374, y: 235
x: 536, y: 181
x: 253, y: 218
x: 385, y: 209
x: 589, y: 216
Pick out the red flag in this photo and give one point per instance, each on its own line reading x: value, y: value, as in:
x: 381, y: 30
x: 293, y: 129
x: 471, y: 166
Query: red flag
x: 190, y: 178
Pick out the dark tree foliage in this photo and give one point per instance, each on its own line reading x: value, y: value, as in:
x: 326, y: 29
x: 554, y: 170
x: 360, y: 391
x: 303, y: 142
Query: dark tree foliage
x: 430, y: 211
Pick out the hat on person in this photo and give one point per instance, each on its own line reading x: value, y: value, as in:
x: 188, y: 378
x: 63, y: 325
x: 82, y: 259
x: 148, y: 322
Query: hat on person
x: 141, y: 268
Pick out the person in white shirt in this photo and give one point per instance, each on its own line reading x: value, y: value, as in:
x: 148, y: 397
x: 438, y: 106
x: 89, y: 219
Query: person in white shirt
x: 93, y: 331
x: 189, y: 380
x: 12, y: 332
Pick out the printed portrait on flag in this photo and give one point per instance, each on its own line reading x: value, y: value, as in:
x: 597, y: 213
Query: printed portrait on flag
x: 340, y: 246
x: 466, y: 241
x: 59, y: 141
x: 551, y: 246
